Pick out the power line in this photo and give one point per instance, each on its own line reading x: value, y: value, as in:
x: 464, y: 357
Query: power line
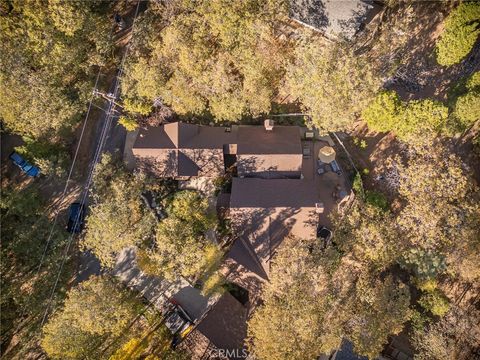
x: 98, y: 152
x: 62, y: 196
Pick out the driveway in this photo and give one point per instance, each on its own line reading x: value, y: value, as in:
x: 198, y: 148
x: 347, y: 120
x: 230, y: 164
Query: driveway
x: 158, y: 291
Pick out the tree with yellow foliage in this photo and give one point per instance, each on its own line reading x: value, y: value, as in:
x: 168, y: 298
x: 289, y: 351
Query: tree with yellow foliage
x: 219, y: 57
x: 181, y: 246
x: 316, y: 298
x: 93, y: 311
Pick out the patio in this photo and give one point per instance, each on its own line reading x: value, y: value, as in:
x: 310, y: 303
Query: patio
x: 327, y: 185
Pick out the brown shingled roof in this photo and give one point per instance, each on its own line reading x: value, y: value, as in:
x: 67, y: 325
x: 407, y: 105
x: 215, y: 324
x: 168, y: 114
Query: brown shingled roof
x: 257, y: 140
x: 265, y: 211
x: 198, y: 150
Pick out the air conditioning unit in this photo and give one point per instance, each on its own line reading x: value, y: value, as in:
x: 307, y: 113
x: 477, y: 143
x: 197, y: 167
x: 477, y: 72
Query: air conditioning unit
x: 268, y: 124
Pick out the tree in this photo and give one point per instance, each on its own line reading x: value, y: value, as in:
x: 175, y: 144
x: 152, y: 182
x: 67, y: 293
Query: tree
x: 437, y: 184
x: 460, y: 33
x: 118, y: 218
x: 25, y: 228
x: 291, y: 324
x: 315, y: 299
x: 50, y: 157
x: 435, y: 302
x: 48, y: 48
x: 453, y: 337
x: 219, y: 57
x: 380, y: 309
x: 131, y: 350
x: 128, y: 123
x: 410, y: 121
x: 182, y: 247
x: 383, y: 112
x: 466, y: 108
x: 157, y: 342
x: 334, y: 92
x: 369, y: 235
x: 94, y: 309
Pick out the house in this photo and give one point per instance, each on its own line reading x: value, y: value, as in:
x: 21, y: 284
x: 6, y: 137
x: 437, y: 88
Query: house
x: 275, y: 192
x: 221, y: 333
x: 182, y: 151
x: 265, y: 211
x: 334, y: 18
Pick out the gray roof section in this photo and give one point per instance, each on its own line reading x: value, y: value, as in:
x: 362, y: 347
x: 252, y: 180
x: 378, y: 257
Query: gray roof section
x: 265, y: 211
x: 332, y: 17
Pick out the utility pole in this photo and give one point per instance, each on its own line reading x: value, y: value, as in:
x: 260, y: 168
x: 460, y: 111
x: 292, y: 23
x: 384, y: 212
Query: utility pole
x: 109, y: 97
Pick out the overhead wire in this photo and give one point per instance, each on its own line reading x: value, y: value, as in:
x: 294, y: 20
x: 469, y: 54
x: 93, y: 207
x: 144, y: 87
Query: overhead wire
x: 98, y: 152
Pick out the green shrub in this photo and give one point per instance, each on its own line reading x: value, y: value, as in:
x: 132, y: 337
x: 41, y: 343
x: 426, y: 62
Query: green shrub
x: 130, y: 124
x: 467, y: 109
x: 435, y: 302
x: 137, y: 106
x: 214, y: 284
x: 460, y: 34
x: 427, y: 285
x: 383, y: 112
x: 418, y: 320
x: 425, y: 264
x: 473, y: 82
x: 407, y: 120
x: 357, y: 186
x: 376, y: 199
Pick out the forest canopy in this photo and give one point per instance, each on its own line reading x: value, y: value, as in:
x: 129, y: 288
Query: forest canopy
x: 38, y: 41
x: 219, y: 56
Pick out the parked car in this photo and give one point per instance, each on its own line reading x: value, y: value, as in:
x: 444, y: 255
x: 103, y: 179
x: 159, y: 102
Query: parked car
x: 178, y: 322
x: 24, y: 165
x: 76, y: 217
x: 325, y: 235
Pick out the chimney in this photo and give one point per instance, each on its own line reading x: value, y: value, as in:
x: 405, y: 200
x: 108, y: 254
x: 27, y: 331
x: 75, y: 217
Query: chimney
x: 268, y: 124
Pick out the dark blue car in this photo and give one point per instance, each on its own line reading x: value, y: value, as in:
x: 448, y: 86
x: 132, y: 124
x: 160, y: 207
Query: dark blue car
x: 76, y: 218
x: 24, y: 165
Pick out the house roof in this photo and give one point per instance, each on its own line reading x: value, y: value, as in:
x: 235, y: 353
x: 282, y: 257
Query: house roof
x: 179, y: 149
x: 226, y: 325
x: 280, y: 140
x: 242, y: 253
x: 179, y: 135
x: 265, y: 211
x: 332, y: 17
x: 272, y: 193
x: 249, y: 139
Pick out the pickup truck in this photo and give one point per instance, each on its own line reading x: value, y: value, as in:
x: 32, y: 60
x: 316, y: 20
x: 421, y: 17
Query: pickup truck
x: 24, y: 165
